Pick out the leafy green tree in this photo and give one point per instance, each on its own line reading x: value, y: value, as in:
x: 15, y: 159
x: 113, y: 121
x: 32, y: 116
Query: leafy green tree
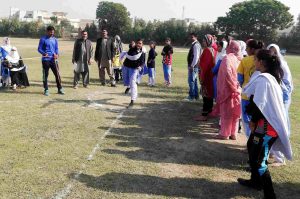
x: 66, y: 24
x: 114, y: 17
x: 259, y: 19
x: 92, y: 31
x: 291, y: 41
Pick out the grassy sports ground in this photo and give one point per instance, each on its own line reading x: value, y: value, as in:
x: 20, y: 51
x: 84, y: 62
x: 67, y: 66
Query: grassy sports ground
x: 86, y: 144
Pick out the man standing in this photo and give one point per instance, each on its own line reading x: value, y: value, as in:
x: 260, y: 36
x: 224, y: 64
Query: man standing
x: 167, y: 60
x: 193, y: 68
x: 48, y: 47
x: 82, y: 54
x: 103, y: 56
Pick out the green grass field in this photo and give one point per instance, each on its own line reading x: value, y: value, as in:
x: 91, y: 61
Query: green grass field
x: 86, y: 144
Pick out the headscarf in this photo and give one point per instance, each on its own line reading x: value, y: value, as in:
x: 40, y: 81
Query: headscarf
x: 235, y: 48
x: 222, y: 54
x: 284, y: 65
x: 243, y: 46
x: 118, y: 44
x: 209, y: 39
x: 6, y: 45
x: 14, y: 56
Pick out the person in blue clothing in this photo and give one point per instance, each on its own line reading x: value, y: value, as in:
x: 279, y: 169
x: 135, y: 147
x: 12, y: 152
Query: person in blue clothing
x: 222, y: 45
x: 48, y: 47
x: 5, y: 50
x: 151, y: 64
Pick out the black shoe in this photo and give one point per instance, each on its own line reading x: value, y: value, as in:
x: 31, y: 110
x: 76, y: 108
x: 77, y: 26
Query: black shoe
x: 248, y: 169
x: 131, y: 104
x: 103, y: 84
x: 113, y: 85
x: 250, y: 184
x: 127, y: 91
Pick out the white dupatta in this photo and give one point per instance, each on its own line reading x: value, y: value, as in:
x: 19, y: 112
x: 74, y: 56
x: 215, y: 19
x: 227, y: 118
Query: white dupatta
x: 268, y: 98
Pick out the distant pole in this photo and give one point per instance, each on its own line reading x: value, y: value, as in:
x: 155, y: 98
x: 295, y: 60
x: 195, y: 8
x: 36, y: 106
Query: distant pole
x: 183, y: 13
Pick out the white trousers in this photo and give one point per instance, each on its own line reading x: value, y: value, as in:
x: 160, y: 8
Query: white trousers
x: 133, y: 74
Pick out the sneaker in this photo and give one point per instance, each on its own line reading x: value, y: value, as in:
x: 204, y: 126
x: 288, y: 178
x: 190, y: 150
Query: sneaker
x: 127, y: 91
x: 46, y: 92
x: 14, y: 87
x: 131, y: 104
x: 75, y: 87
x: 113, y: 85
x: 85, y: 86
x: 277, y: 164
x: 249, y: 183
x: 61, y: 92
x: 103, y: 84
x: 188, y: 99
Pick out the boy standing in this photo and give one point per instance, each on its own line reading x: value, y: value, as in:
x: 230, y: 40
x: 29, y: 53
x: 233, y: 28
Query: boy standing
x: 167, y: 53
x: 48, y: 47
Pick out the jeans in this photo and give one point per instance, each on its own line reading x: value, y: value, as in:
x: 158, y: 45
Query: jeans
x: 167, y: 73
x: 193, y: 83
x: 151, y: 74
x: 245, y: 117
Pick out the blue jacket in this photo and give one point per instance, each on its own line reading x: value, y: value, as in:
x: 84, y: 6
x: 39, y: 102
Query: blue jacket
x: 48, y: 45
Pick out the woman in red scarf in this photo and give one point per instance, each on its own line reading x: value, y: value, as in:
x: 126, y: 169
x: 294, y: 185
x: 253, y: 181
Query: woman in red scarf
x: 207, y: 62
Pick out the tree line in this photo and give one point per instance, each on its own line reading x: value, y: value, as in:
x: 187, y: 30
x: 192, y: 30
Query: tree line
x: 259, y: 19
x: 16, y: 28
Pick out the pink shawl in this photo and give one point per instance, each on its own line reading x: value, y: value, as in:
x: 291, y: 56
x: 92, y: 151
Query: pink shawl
x: 227, y: 82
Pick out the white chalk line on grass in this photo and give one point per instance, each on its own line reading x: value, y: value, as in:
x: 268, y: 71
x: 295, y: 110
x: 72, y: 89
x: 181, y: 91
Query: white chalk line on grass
x: 68, y: 189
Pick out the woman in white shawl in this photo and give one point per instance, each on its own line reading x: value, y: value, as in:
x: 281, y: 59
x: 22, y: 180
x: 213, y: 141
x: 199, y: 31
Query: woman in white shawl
x: 14, y: 63
x: 287, y: 94
x: 268, y: 121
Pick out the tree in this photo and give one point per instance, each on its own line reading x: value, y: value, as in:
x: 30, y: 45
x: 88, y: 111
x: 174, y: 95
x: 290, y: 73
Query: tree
x: 259, y: 19
x: 92, y: 31
x: 114, y: 17
x: 54, y: 20
x: 66, y: 24
x: 291, y: 41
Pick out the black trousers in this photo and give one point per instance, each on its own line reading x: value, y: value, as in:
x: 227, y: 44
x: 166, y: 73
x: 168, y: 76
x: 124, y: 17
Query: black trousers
x: 118, y: 74
x: 208, y: 104
x: 19, y: 78
x: 55, y: 69
x: 259, y: 146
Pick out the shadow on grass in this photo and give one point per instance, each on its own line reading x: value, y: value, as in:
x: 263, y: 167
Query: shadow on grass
x: 168, y: 187
x: 164, y: 132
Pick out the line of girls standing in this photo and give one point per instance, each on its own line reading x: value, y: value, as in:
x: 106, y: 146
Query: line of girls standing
x: 246, y: 80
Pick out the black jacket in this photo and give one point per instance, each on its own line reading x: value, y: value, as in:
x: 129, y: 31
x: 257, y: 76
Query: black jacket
x: 109, y: 49
x: 151, y: 58
x: 77, y: 49
x: 191, y: 55
x: 167, y: 50
x: 134, y: 63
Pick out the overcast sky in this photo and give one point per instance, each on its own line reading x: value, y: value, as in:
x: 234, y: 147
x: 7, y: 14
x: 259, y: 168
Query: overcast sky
x: 203, y: 11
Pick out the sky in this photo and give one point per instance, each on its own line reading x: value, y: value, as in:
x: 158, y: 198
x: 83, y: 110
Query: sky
x: 203, y: 11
